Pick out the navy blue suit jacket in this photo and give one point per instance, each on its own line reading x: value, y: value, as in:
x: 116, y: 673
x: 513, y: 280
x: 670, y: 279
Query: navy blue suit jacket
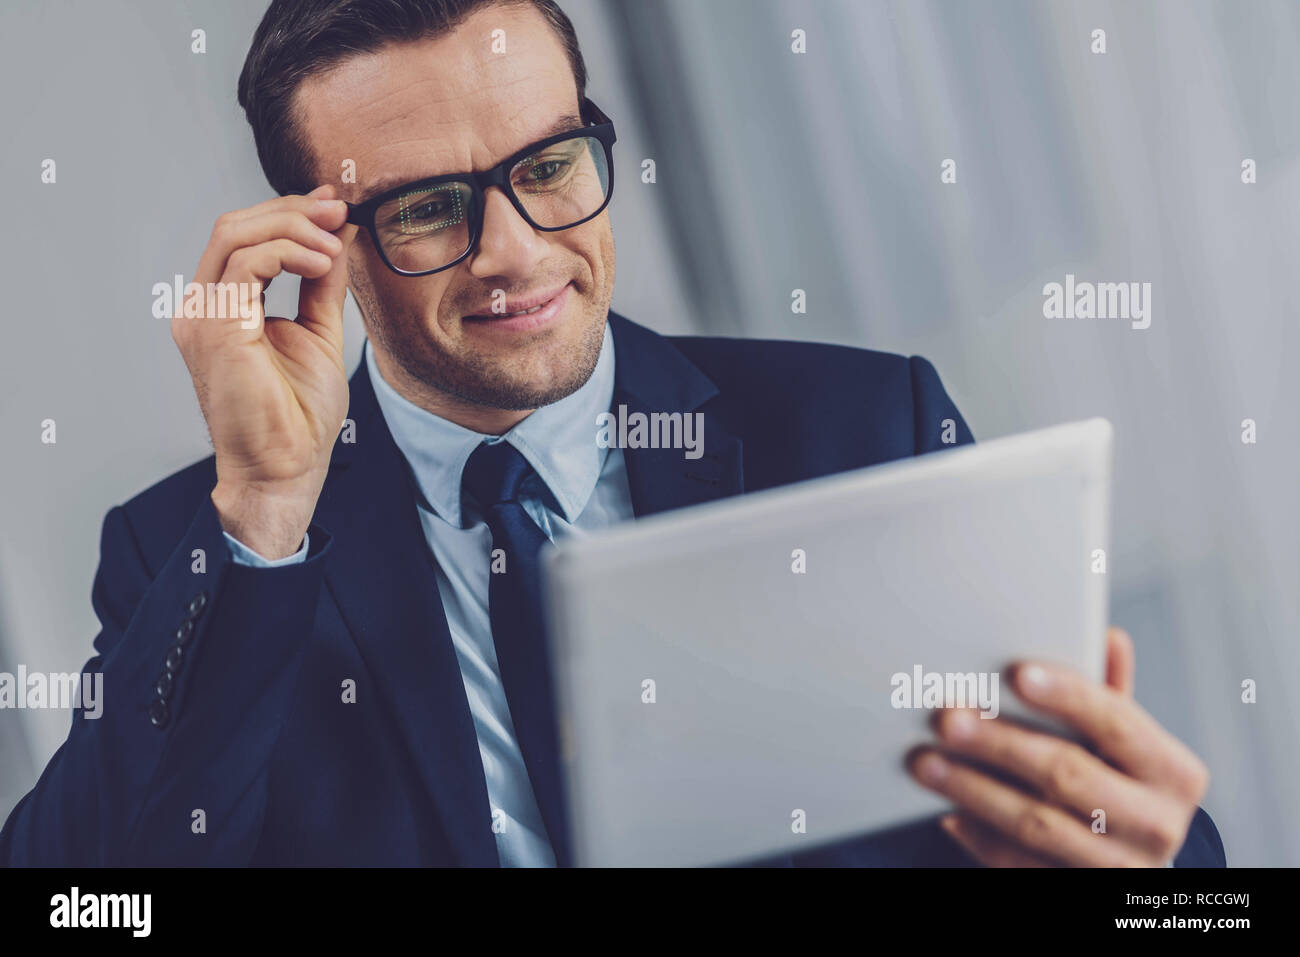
x: 254, y: 733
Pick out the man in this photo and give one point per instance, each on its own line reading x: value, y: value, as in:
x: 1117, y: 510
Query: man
x: 311, y: 658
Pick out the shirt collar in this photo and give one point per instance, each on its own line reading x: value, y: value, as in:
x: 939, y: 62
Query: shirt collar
x: 558, y: 440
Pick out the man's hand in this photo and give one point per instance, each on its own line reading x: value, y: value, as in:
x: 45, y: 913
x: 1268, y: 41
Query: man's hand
x: 274, y: 392
x: 1039, y: 809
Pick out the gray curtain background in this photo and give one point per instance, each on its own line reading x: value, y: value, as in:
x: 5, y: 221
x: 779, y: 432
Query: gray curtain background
x: 774, y: 171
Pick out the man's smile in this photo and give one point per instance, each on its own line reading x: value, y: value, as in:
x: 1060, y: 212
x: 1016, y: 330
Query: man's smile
x: 525, y: 314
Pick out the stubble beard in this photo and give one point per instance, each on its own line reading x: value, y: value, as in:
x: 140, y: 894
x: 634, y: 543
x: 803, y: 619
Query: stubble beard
x: 474, y: 378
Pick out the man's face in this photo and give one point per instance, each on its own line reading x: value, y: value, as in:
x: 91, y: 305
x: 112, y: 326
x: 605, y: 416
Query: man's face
x: 452, y: 105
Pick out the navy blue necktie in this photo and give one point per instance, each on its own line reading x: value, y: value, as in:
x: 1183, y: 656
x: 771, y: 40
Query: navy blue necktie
x: 493, y: 476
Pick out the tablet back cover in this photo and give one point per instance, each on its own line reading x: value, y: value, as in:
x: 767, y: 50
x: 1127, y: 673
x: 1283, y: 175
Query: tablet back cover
x: 743, y: 678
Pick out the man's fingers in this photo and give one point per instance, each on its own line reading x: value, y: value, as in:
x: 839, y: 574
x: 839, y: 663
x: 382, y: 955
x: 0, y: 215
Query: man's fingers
x: 988, y: 846
x: 1119, y: 728
x: 236, y: 303
x: 255, y: 230
x: 1066, y: 774
x: 1034, y: 825
x: 232, y: 229
x: 321, y: 298
x: 1121, y: 661
x: 260, y: 263
x: 305, y: 203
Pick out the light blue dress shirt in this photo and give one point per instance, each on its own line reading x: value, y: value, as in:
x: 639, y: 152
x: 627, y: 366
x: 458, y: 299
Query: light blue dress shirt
x: 579, y: 486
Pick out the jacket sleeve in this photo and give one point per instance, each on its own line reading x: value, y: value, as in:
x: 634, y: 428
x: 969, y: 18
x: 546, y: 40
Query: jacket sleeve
x: 198, y: 664
x: 1203, y: 846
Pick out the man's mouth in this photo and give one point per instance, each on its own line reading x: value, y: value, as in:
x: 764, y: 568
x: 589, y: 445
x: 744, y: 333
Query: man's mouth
x: 521, y: 306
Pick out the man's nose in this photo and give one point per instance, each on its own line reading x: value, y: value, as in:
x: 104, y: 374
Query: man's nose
x: 508, y: 245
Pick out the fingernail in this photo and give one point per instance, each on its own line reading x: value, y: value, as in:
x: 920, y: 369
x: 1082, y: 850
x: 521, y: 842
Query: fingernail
x: 959, y: 726
x: 330, y: 204
x: 1035, y: 680
x: 931, y: 768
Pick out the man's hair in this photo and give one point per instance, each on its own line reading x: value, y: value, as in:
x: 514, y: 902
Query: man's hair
x: 298, y: 39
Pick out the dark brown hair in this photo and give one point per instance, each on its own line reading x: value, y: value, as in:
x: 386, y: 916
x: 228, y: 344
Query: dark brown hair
x: 301, y: 38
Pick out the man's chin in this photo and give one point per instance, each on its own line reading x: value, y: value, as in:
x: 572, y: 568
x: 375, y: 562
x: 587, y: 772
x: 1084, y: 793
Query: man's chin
x: 516, y: 373
x: 538, y: 373
x: 498, y: 384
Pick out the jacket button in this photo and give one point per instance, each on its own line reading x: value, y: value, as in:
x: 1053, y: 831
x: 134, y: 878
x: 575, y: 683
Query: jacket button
x: 158, y: 713
x: 195, y: 607
x: 163, y: 686
x: 175, y: 658
x: 185, y: 632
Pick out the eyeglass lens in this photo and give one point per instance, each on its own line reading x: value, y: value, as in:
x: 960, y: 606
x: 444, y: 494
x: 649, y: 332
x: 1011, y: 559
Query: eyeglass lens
x: 560, y: 185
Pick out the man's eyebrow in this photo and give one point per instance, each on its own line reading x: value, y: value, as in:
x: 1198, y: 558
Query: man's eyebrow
x: 565, y: 124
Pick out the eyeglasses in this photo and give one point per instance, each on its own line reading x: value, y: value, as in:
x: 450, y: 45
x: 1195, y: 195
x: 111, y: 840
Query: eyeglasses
x: 556, y: 183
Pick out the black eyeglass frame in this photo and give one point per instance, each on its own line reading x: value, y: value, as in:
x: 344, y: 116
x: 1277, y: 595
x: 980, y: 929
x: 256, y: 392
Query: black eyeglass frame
x: 600, y: 127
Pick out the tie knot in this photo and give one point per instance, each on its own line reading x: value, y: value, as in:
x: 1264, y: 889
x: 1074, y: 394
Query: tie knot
x: 494, y: 473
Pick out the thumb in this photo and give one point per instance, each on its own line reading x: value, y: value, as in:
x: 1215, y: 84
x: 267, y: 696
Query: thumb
x: 320, y: 300
x: 1121, y: 660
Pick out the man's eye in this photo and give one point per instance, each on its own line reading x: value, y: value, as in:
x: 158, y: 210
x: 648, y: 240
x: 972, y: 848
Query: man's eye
x: 427, y: 211
x: 425, y: 214
x: 545, y: 171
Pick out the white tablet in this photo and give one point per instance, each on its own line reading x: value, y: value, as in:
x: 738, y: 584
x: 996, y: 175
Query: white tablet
x: 744, y: 678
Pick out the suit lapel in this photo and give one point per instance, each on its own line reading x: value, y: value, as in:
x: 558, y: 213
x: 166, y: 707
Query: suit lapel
x: 651, y: 375
x: 381, y: 574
